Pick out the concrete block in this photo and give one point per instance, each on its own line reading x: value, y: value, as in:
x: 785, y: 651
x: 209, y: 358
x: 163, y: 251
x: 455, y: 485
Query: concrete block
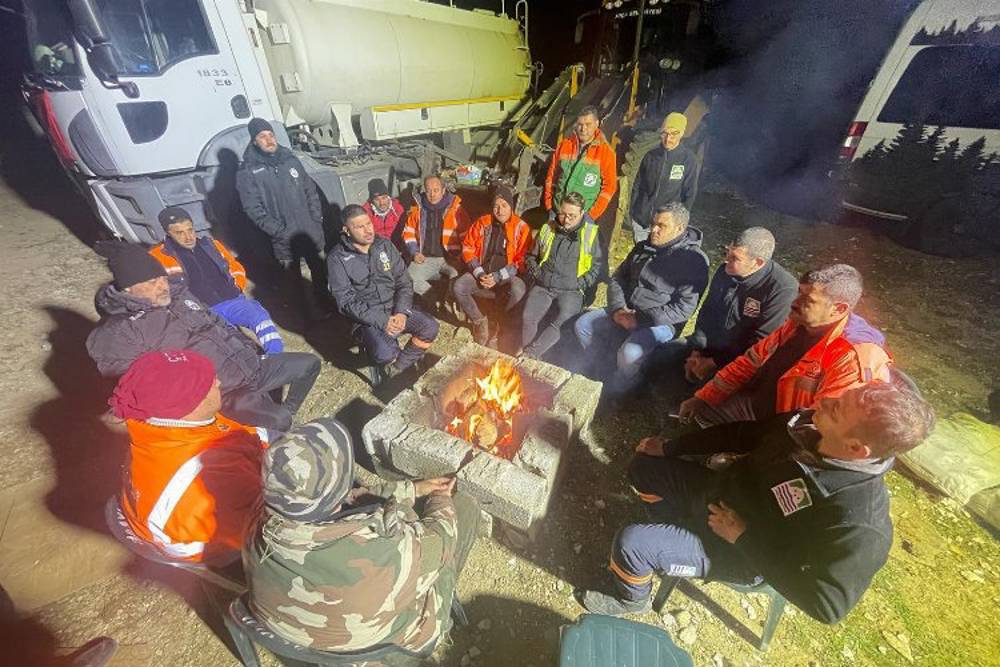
x: 485, y: 524
x: 579, y: 397
x: 544, y: 445
x: 426, y: 452
x: 439, y: 376
x: 533, y: 369
x: 380, y: 432
x: 507, y: 492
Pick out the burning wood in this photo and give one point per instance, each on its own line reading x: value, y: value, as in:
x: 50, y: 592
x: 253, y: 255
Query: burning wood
x: 483, y: 412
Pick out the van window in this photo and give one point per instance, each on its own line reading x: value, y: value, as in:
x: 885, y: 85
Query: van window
x: 151, y: 35
x: 954, y: 86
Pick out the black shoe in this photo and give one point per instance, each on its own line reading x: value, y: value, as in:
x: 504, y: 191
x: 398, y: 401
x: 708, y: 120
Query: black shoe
x: 97, y: 653
x: 481, y: 331
x: 601, y: 603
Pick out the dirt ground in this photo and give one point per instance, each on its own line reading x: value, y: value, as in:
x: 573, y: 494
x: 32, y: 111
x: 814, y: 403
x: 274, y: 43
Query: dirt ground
x: 935, y: 603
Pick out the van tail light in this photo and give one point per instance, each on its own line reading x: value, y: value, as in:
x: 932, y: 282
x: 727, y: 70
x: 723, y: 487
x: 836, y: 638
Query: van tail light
x: 851, y: 141
x: 42, y: 102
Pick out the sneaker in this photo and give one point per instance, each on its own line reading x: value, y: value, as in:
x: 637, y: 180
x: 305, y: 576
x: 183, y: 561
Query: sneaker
x: 481, y: 331
x: 597, y: 602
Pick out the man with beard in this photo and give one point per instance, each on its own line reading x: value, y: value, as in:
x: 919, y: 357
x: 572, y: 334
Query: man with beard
x: 433, y: 235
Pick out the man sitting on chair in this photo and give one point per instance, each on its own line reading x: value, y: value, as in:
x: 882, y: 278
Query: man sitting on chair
x: 193, y: 476
x: 797, y: 501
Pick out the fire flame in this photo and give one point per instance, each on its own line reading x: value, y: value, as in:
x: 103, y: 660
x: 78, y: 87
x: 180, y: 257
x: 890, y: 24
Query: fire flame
x: 487, y: 419
x: 501, y: 388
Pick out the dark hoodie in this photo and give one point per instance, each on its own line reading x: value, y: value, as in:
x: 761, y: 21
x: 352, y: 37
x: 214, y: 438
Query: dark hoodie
x: 130, y: 327
x: 662, y: 284
x: 280, y: 199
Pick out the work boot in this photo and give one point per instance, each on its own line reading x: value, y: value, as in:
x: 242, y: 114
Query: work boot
x: 481, y: 331
x: 597, y: 602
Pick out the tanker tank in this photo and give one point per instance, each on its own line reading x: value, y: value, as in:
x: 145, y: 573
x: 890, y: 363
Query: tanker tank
x: 405, y: 67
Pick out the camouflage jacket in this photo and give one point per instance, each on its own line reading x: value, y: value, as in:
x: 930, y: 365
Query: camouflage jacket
x: 365, y: 578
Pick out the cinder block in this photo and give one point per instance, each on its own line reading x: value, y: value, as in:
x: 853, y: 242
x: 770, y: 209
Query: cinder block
x: 579, y: 397
x: 438, y: 377
x: 554, y: 376
x: 544, y: 444
x: 379, y: 432
x: 424, y: 452
x: 504, y: 490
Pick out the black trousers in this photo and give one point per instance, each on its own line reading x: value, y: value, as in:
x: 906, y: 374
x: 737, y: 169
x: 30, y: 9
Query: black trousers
x: 253, y: 404
x: 538, y: 307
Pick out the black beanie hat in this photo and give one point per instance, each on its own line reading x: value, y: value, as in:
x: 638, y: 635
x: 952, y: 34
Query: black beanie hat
x: 377, y: 187
x: 258, y: 125
x: 130, y: 264
x: 172, y: 215
x: 505, y: 193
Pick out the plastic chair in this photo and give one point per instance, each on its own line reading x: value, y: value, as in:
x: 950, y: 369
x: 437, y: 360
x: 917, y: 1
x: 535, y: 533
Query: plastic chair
x: 605, y: 641
x: 775, y: 607
x: 119, y: 528
x: 247, y: 632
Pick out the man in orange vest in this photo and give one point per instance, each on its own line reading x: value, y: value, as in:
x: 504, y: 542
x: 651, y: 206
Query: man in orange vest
x: 433, y: 235
x: 193, y: 478
x: 494, y: 251
x: 584, y: 162
x: 213, y: 275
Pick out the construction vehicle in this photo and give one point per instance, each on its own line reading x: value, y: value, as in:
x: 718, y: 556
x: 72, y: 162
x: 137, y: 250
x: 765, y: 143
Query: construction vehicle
x: 146, y: 102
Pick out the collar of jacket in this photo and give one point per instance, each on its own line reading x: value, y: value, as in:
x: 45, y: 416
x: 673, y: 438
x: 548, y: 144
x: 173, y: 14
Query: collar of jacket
x: 755, y: 278
x: 803, y: 431
x: 446, y: 201
x: 174, y: 249
x: 595, y: 142
x: 348, y: 245
x: 113, y: 301
x: 179, y: 423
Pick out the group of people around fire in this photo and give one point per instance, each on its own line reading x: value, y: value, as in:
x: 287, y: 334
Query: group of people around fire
x: 793, y: 409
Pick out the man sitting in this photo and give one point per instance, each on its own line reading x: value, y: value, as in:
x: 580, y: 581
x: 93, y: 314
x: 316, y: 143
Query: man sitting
x: 748, y: 298
x: 385, y: 211
x: 433, y: 235
x: 214, y: 276
x: 822, y: 350
x: 336, y: 569
x: 651, y: 295
x: 141, y: 311
x: 564, y: 264
x: 193, y: 476
x: 804, y: 507
x: 372, y: 289
x: 493, y: 250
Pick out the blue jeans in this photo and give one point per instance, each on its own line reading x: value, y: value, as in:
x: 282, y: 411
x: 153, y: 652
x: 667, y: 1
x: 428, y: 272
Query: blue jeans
x: 633, y: 347
x: 244, y: 312
x: 383, y: 348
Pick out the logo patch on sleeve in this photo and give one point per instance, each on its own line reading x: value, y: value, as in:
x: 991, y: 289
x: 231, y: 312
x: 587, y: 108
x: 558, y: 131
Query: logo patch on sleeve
x: 792, y: 496
x: 751, y: 307
x: 676, y: 172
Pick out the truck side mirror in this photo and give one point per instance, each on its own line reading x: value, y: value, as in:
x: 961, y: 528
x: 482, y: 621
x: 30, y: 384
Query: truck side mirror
x: 101, y: 54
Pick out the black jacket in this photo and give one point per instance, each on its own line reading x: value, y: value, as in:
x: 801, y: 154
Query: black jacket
x: 662, y: 284
x: 130, y: 327
x: 281, y: 199
x: 559, y: 271
x: 368, y: 289
x: 737, y: 312
x: 664, y: 177
x: 819, y: 553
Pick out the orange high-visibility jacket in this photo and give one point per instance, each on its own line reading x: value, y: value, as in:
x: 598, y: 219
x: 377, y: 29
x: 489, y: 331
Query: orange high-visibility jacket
x: 850, y: 355
x: 475, y: 243
x: 190, y: 487
x: 455, y: 222
x: 594, y: 174
x: 225, y: 259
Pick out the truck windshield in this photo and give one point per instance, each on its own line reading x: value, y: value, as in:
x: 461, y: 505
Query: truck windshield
x: 151, y: 35
x: 50, y: 38
x: 954, y: 86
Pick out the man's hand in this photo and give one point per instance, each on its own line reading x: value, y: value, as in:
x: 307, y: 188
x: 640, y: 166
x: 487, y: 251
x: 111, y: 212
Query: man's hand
x: 396, y: 324
x: 439, y: 486
x: 651, y: 446
x: 690, y: 409
x: 725, y: 522
x: 419, y: 258
x: 625, y: 318
x: 488, y: 281
x: 701, y: 368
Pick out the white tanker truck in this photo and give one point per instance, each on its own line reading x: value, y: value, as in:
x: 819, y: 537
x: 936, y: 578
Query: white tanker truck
x: 146, y: 101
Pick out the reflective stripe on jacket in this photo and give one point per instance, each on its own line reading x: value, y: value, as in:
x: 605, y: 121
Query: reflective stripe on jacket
x: 593, y: 174
x: 191, y: 487
x: 455, y: 222
x: 477, y: 240
x: 218, y: 252
x: 588, y: 236
x: 850, y: 355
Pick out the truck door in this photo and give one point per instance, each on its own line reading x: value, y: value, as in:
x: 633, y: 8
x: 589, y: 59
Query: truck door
x: 178, y: 54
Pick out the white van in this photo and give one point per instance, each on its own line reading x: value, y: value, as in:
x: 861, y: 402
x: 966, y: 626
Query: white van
x: 922, y: 150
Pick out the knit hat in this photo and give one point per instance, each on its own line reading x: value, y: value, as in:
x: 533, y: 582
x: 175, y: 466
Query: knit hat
x: 676, y: 121
x: 130, y: 264
x: 168, y: 384
x: 258, y: 125
x: 504, y: 192
x: 377, y: 187
x: 309, y: 471
x: 172, y: 215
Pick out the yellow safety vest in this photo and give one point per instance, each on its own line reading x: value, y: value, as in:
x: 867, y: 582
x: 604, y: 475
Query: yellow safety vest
x: 588, y: 233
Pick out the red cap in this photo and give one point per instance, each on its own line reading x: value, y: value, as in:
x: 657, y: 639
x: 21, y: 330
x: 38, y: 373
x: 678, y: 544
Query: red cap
x: 168, y: 384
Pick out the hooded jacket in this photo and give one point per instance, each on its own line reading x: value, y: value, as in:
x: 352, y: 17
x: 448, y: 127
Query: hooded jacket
x: 130, y: 327
x: 369, y: 288
x: 387, y: 225
x: 664, y: 177
x: 593, y: 174
x: 560, y: 266
x: 663, y: 285
x: 455, y: 221
x: 817, y: 529
x: 280, y: 198
x: 738, y: 312
x: 851, y: 354
x: 368, y: 576
x: 477, y: 241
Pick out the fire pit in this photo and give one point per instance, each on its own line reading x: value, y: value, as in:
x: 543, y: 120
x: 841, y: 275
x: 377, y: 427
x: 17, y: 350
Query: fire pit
x: 502, y: 424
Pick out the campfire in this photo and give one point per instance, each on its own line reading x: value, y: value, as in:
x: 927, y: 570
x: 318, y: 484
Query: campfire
x: 482, y: 412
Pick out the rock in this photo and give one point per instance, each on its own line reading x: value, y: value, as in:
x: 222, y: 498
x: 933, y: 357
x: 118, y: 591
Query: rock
x: 848, y: 653
x: 683, y: 618
x: 883, y: 649
x: 484, y: 624
x: 577, y: 548
x: 669, y: 621
x: 688, y: 635
x: 718, y: 660
x: 900, y: 643
x: 466, y: 661
x: 559, y: 585
x: 46, y: 346
x: 474, y: 652
x: 600, y: 504
x: 748, y: 607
